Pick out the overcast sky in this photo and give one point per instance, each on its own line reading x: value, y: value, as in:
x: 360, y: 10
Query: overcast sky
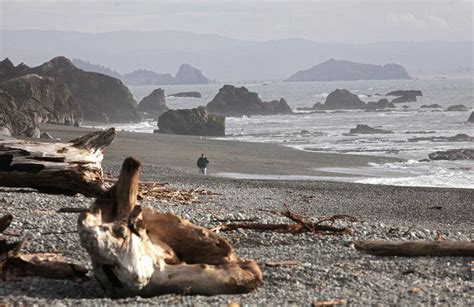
x: 318, y: 20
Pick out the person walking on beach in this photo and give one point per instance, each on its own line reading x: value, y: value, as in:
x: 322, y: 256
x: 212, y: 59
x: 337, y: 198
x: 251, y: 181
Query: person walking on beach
x: 202, y: 163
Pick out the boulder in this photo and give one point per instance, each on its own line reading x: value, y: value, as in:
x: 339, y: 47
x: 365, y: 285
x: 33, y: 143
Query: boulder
x: 43, y: 99
x: 235, y: 101
x: 458, y: 107
x: 405, y: 95
x: 336, y: 70
x: 341, y: 99
x: 190, y: 75
x: 97, y: 94
x: 12, y: 120
x: 381, y: 104
x: 471, y: 118
x: 365, y: 129
x: 195, y: 121
x: 431, y: 106
x: 186, y: 94
x: 154, y: 104
x: 453, y: 154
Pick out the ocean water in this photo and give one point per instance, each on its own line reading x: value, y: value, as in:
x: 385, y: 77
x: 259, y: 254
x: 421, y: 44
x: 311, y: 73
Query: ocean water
x: 324, y: 132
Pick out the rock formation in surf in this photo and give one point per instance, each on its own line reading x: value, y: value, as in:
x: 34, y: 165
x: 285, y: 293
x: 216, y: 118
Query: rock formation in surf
x: 154, y: 104
x: 341, y: 99
x: 365, y: 129
x: 404, y: 95
x: 186, y: 94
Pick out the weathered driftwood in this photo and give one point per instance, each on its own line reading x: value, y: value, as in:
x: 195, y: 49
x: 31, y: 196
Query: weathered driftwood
x: 137, y: 251
x: 67, y: 168
x: 15, y: 265
x: 301, y: 225
x: 441, y: 248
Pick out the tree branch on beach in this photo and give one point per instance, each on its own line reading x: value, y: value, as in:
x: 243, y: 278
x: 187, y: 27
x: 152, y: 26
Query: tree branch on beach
x: 136, y: 251
x: 439, y: 248
x: 301, y: 224
x: 59, y: 168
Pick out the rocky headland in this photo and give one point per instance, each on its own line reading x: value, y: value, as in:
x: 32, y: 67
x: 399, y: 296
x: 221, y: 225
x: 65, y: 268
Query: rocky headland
x: 335, y: 70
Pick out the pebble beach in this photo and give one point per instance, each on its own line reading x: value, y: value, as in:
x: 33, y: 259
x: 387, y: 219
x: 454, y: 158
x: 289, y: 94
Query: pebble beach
x: 324, y: 267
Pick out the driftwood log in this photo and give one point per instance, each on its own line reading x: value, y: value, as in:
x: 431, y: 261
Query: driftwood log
x: 442, y: 248
x: 136, y: 251
x: 14, y: 265
x: 63, y: 168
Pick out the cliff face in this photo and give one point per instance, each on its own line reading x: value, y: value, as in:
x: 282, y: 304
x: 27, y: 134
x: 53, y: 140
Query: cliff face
x: 334, y: 70
x: 9, y: 71
x: 12, y: 120
x: 44, y: 99
x: 102, y: 98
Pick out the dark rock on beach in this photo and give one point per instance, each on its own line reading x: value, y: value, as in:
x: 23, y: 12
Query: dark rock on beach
x: 235, y: 101
x: 43, y: 99
x: 186, y: 94
x: 454, y: 154
x: 334, y: 70
x: 154, y: 104
x: 457, y: 108
x: 101, y: 97
x: 405, y: 95
x: 341, y: 99
x: 195, y: 121
x: 365, y: 129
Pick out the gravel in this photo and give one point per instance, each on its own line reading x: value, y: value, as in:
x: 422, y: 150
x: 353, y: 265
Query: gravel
x: 328, y: 266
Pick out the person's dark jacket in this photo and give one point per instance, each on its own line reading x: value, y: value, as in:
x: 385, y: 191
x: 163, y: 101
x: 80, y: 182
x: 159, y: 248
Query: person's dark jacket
x: 202, y: 162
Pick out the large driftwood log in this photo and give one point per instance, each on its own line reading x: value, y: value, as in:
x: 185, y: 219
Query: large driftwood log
x: 65, y: 168
x: 417, y: 248
x: 137, y: 251
x: 14, y: 265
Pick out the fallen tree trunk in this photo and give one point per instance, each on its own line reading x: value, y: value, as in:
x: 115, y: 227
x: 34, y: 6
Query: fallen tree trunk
x: 417, y: 248
x: 14, y: 265
x: 137, y: 251
x: 60, y: 168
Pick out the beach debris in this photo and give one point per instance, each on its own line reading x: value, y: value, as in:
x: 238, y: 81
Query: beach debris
x: 59, y: 168
x: 136, y: 251
x: 300, y: 225
x: 163, y: 192
x: 439, y: 248
x: 14, y: 264
x: 334, y: 302
x: 274, y: 263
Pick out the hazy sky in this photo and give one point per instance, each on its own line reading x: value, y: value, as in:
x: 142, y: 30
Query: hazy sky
x: 319, y: 20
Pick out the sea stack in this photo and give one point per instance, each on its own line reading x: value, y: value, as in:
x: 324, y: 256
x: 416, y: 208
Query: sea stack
x: 154, y: 104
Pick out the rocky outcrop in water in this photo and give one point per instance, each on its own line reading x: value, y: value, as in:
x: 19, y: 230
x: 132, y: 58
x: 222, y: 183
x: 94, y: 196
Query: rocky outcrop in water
x: 43, y: 99
x: 334, y: 70
x: 431, y: 106
x: 186, y: 94
x: 154, y: 104
x: 405, y: 95
x: 235, y: 101
x: 457, y: 138
x: 341, y: 99
x: 366, y: 129
x: 452, y: 155
x: 102, y: 98
x: 471, y: 118
x: 379, y: 105
x: 190, y: 75
x: 195, y: 121
x: 457, y: 108
x: 12, y: 120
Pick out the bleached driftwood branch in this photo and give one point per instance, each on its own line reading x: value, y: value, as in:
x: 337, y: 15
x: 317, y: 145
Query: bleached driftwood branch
x: 65, y: 168
x: 137, y: 251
